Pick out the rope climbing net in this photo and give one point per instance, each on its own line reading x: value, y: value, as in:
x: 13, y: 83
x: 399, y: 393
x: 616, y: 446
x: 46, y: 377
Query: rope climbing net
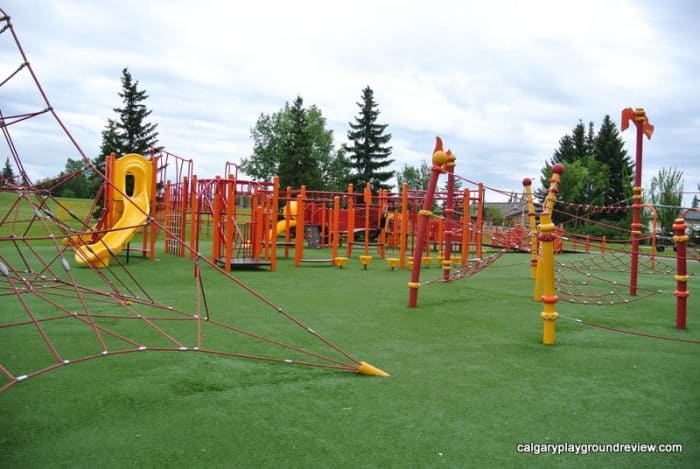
x: 601, y: 276
x: 53, y: 315
x: 578, y: 282
x: 474, y: 266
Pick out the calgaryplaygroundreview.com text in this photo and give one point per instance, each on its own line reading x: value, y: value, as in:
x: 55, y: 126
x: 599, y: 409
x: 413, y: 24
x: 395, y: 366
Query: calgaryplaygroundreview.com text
x: 588, y: 448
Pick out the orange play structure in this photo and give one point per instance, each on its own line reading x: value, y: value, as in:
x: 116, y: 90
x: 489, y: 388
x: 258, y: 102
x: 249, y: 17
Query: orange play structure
x: 249, y: 220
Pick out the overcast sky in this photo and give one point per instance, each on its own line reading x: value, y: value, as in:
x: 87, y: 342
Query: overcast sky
x: 500, y: 81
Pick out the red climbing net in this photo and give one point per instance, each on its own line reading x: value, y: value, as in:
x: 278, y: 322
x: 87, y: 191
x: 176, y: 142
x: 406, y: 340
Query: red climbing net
x: 53, y: 314
x: 599, y: 276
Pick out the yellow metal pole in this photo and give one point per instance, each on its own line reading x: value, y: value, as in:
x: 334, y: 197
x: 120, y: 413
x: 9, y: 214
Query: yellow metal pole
x: 527, y: 182
x: 546, y: 238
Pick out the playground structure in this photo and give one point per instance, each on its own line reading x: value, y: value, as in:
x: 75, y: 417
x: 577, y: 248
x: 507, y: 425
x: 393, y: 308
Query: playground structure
x: 105, y: 309
x: 248, y: 220
x: 586, y: 280
x: 245, y: 221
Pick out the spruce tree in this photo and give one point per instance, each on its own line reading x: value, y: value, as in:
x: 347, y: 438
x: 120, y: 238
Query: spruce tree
x: 130, y: 132
x: 136, y: 135
x: 574, y: 147
x: 598, y: 172
x: 367, y: 151
x: 7, y: 173
x: 609, y: 150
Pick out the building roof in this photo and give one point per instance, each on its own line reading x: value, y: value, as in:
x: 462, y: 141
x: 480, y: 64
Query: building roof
x: 509, y: 209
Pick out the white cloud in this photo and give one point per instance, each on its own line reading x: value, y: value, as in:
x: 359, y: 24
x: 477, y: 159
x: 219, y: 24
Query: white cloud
x: 501, y: 81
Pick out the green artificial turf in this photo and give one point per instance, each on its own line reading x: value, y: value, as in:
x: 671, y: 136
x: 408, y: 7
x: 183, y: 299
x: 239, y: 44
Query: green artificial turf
x: 470, y: 378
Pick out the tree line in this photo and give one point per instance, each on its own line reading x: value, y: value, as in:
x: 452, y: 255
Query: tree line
x: 597, y: 184
x: 294, y: 144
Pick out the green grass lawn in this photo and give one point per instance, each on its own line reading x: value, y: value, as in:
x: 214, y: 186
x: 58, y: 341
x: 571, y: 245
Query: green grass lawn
x: 23, y: 211
x: 470, y: 378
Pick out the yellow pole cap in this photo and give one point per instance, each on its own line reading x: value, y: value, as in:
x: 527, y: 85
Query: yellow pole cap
x: 369, y: 370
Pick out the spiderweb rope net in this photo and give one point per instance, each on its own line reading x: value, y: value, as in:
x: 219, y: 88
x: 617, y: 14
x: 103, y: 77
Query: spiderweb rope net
x: 601, y: 275
x: 53, y: 315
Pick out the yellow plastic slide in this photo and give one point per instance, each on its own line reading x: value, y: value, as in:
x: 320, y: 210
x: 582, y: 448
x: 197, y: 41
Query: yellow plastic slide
x: 133, y: 214
x: 281, y: 225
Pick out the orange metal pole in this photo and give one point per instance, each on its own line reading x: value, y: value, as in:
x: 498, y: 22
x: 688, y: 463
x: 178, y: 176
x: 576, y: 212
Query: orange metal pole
x: 194, y: 218
x: 336, y: 228
x: 167, y: 216
x: 216, y: 236
x: 109, y: 191
x: 287, y: 221
x: 273, y: 222
x: 182, y: 203
x: 368, y: 202
x: 299, y: 240
x: 403, y: 229
x: 351, y: 221
x: 230, y: 221
x: 480, y: 222
x: 256, y: 231
x: 381, y: 240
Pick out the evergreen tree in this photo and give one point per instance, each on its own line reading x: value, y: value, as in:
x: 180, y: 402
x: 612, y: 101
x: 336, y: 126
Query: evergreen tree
x: 574, y: 147
x: 368, y: 151
x: 135, y: 134
x: 598, y: 172
x: 110, y: 141
x: 609, y: 151
x: 336, y: 172
x: 7, y: 173
x: 696, y: 201
x: 130, y: 133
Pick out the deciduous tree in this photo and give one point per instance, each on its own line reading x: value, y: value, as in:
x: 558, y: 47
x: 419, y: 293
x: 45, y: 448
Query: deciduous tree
x: 666, y: 192
x: 295, y: 145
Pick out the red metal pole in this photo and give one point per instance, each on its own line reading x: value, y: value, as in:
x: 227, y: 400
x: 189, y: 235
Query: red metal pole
x: 636, y: 211
x: 641, y: 122
x: 439, y: 159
